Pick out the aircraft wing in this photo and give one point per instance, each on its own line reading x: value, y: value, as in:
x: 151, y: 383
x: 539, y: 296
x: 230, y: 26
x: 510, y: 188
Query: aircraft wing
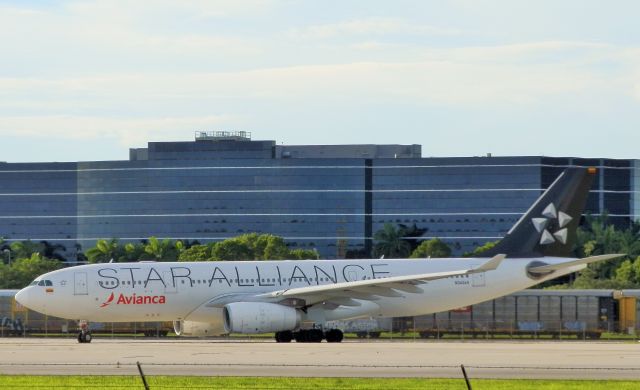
x: 371, y: 289
x: 548, y: 268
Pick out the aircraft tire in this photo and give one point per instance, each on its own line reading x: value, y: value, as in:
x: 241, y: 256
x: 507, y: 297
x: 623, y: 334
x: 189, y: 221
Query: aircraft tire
x: 334, y: 336
x: 315, y: 335
x: 284, y: 336
x: 309, y: 336
x: 300, y: 336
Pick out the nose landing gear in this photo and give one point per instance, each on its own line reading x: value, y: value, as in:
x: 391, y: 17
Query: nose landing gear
x: 84, y: 335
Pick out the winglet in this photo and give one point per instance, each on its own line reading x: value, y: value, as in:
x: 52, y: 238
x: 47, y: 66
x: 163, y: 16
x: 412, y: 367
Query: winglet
x: 490, y: 265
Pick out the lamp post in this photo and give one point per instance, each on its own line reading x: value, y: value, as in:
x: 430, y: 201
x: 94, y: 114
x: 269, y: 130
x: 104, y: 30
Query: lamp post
x: 8, y: 253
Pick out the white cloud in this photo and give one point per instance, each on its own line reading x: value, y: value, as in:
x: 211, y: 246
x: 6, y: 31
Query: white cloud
x: 371, y: 26
x: 127, y: 131
x: 92, y: 69
x: 466, y: 76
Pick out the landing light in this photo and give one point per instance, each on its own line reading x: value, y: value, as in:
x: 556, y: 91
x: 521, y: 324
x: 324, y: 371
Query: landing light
x: 591, y: 170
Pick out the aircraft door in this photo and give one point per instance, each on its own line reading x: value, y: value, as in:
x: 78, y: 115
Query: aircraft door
x: 169, y: 287
x: 477, y: 279
x: 80, y: 283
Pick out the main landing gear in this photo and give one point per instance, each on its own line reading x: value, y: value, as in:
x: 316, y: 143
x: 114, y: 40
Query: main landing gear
x: 84, y: 335
x: 310, y: 336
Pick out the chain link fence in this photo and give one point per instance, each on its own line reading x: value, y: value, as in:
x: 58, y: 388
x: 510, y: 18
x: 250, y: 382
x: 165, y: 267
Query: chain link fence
x: 404, y: 328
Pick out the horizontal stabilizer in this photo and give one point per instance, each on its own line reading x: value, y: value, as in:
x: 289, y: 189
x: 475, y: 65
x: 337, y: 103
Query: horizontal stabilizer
x: 543, y: 269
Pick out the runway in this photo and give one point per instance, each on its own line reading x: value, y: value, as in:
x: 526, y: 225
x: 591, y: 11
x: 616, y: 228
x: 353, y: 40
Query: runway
x: 495, y: 359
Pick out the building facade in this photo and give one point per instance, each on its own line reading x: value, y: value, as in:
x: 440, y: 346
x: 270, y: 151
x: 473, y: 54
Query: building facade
x: 330, y: 197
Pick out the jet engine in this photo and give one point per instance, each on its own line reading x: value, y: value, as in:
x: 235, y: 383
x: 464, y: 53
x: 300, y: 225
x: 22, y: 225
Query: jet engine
x: 197, y: 329
x: 258, y: 317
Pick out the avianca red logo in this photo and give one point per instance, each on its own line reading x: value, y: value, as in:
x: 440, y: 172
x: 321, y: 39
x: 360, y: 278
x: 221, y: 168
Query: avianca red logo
x: 135, y: 300
x: 108, y: 301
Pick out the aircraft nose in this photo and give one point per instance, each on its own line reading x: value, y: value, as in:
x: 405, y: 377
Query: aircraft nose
x: 22, y: 297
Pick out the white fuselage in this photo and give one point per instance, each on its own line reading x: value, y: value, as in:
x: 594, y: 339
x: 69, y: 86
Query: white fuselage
x: 163, y: 291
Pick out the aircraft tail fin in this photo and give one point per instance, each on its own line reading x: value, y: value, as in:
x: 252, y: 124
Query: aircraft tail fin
x: 549, y: 227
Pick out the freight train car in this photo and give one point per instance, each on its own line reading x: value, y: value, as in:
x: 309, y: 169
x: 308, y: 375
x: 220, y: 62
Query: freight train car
x: 585, y: 313
x: 554, y: 313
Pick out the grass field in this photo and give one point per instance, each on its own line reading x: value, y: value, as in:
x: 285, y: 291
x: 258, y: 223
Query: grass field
x: 174, y: 382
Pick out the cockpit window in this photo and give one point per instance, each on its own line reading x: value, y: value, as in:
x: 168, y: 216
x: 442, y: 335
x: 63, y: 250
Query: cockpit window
x: 41, y: 283
x: 48, y: 283
x: 34, y: 283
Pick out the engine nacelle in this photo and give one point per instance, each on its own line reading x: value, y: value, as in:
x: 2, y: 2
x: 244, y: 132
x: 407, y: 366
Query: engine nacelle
x: 196, y: 329
x: 258, y: 317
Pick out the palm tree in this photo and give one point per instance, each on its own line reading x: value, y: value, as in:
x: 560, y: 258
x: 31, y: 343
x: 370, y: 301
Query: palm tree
x: 163, y: 250
x: 598, y: 236
x: 390, y: 242
x: 103, y: 252
x: 24, y: 249
x: 51, y: 251
x: 413, y: 235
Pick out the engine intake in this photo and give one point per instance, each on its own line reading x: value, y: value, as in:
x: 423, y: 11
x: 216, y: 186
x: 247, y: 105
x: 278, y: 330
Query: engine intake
x: 196, y: 329
x: 258, y: 317
x: 535, y: 275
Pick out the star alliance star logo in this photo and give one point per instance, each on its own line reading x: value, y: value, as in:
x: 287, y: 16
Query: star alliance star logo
x: 544, y: 225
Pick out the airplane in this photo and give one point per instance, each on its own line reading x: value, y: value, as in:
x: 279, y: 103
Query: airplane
x: 295, y: 299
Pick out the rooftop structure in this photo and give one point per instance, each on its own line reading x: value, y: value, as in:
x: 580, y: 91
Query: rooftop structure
x: 330, y: 197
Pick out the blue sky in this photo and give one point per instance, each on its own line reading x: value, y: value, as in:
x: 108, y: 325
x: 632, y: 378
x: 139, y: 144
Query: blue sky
x: 86, y: 80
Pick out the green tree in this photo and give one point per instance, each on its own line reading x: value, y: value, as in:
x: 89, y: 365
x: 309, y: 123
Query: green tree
x: 431, y: 248
x: 231, y: 249
x: 6, y: 276
x: 4, y: 247
x: 24, y: 270
x: 304, y: 254
x: 481, y: 249
x: 598, y: 237
x: 53, y: 251
x: 636, y: 270
x: 196, y: 253
x: 625, y: 274
x: 390, y: 242
x: 165, y: 250
x: 104, y: 251
x: 273, y: 248
x: 251, y: 246
x: 24, y: 249
x: 132, y: 252
x: 412, y: 235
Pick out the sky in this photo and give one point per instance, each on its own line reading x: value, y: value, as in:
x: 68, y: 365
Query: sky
x: 87, y: 80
